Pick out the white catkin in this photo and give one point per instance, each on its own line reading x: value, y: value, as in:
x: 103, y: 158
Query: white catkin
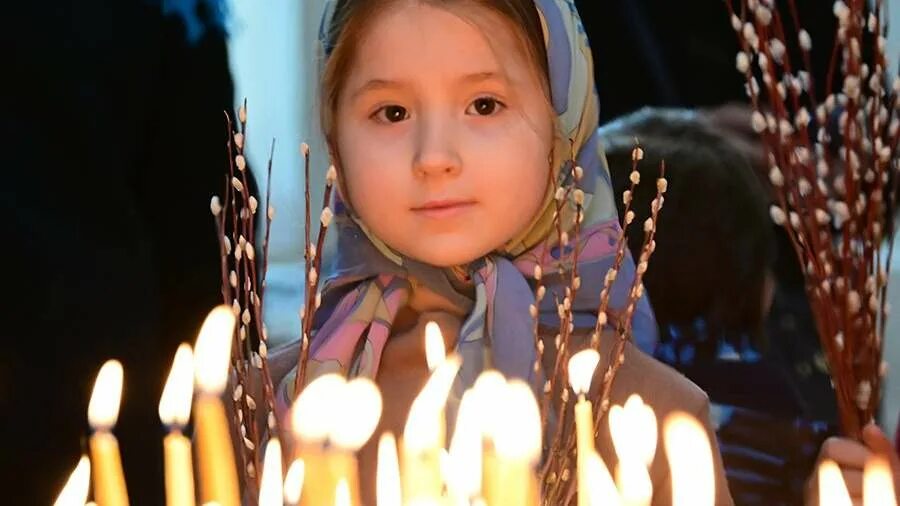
x: 236, y: 183
x: 777, y: 214
x: 326, y: 217
x: 215, y: 205
x: 240, y: 162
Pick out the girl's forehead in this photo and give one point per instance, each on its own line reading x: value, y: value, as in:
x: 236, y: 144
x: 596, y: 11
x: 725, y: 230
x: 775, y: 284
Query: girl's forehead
x: 416, y: 39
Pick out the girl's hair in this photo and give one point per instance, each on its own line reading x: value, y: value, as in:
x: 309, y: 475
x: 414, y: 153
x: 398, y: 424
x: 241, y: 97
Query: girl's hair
x: 352, y: 17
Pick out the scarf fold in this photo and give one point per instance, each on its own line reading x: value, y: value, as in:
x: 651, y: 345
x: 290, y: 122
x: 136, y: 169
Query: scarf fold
x: 367, y: 282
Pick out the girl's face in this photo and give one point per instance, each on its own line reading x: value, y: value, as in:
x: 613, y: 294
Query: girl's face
x: 444, y: 136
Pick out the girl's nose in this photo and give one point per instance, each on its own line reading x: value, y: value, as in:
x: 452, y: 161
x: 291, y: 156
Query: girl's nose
x: 436, y: 151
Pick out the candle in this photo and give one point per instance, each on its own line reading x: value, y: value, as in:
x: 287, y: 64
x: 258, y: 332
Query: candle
x: 342, y: 493
x: 435, y: 348
x: 601, y: 487
x: 358, y: 410
x: 271, y: 488
x: 832, y: 490
x: 878, y: 483
x: 293, y: 482
x: 75, y: 491
x: 517, y: 443
x: 312, y: 417
x: 423, y: 435
x: 634, y: 433
x: 581, y: 372
x: 174, y: 411
x: 103, y: 411
x: 464, y: 467
x: 488, y: 389
x: 218, y: 473
x: 689, y: 453
x: 388, y: 491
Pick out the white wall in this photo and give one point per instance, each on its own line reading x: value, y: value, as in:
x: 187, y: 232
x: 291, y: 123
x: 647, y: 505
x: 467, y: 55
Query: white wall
x: 272, y: 51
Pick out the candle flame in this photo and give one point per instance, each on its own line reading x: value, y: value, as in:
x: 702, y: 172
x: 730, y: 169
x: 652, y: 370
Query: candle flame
x: 520, y: 437
x: 465, y: 456
x: 878, y: 483
x: 387, y: 487
x: 634, y: 430
x: 690, y: 459
x: 342, y: 493
x: 635, y: 486
x: 103, y: 409
x: 271, y: 489
x: 75, y: 492
x: 313, y: 412
x: 435, y: 351
x: 212, y: 352
x: 601, y: 487
x: 359, y: 410
x: 423, y: 424
x: 488, y: 388
x: 175, y: 402
x: 581, y: 370
x: 832, y: 489
x: 293, y: 482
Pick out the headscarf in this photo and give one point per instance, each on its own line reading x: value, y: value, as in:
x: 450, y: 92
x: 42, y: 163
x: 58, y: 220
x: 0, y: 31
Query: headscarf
x: 367, y: 282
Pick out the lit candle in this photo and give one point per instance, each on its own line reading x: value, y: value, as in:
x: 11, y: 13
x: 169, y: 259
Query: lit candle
x: 218, y: 473
x: 271, y: 488
x: 581, y: 372
x: 75, y: 491
x: 423, y: 435
x: 435, y: 355
x: 634, y: 433
x: 174, y: 412
x: 103, y: 411
x: 293, y: 482
x: 388, y: 491
x: 489, y: 388
x: 689, y: 453
x: 464, y: 467
x: 878, y: 483
x: 517, y: 444
x: 342, y: 493
x: 601, y: 487
x: 312, y: 419
x: 832, y: 489
x: 358, y: 410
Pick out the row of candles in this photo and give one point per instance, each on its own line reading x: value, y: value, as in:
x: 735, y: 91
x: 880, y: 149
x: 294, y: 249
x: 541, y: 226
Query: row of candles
x: 491, y: 459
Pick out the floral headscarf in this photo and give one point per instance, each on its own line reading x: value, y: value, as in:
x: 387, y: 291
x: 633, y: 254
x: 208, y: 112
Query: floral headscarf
x: 368, y: 282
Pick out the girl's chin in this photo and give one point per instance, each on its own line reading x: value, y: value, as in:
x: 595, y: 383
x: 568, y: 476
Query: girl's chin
x: 448, y: 251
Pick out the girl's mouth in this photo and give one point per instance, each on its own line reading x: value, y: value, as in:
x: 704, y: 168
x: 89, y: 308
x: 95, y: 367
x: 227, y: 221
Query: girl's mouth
x: 443, y: 209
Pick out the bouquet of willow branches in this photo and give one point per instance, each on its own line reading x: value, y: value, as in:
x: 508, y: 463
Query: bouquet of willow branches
x: 244, y: 287
x: 833, y: 169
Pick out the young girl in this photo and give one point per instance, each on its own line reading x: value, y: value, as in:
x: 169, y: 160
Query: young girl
x: 452, y: 123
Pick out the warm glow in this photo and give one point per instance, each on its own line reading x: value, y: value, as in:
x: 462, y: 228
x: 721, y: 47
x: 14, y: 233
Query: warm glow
x: 521, y: 434
x: 358, y: 412
x: 212, y: 352
x: 342, y: 493
x: 423, y: 425
x: 75, y: 492
x: 634, y: 430
x: 581, y: 370
x: 175, y: 402
x: 314, y: 410
x: 293, y: 482
x: 435, y: 352
x: 103, y: 409
x: 602, y: 488
x: 634, y: 483
x: 463, y: 474
x: 878, y: 483
x: 388, y: 491
x: 271, y: 490
x: 832, y: 489
x: 690, y: 458
x: 489, y: 387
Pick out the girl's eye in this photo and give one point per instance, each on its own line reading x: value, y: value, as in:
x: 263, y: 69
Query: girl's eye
x: 392, y: 114
x: 484, y: 106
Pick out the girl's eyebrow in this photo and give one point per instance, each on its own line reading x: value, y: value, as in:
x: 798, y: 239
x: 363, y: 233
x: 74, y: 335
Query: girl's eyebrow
x: 382, y: 84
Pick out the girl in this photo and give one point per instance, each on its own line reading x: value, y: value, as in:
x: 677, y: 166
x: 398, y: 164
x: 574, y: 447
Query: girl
x: 452, y: 123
